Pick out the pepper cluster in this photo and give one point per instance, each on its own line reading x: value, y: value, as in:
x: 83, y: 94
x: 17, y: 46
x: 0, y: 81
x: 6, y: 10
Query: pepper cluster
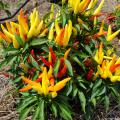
x: 64, y: 58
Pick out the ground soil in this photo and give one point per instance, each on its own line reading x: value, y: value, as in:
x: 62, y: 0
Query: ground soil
x: 8, y: 103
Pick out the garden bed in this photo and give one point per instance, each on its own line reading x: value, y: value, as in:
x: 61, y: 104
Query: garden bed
x: 8, y: 103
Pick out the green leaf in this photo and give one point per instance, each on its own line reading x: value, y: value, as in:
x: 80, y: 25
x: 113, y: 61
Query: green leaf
x: 78, y: 27
x: 2, y: 63
x: 79, y: 62
x: 85, y: 26
x: 46, y: 16
x: 27, y: 102
x: 97, y: 84
x: 36, y: 114
x: 95, y: 93
x: 42, y: 112
x: 69, y: 90
x: 38, y: 41
x: 54, y: 109
x: 75, y: 91
x: 26, y: 46
x: 19, y: 40
x: 12, y: 52
x: 106, y: 103
x: 25, y: 58
x: 36, y: 75
x: 17, y: 79
x: 116, y: 93
x: 88, y: 49
x: 69, y: 66
x: 34, y: 63
x: 25, y: 94
x: 82, y: 85
x: 64, y: 19
x: 94, y: 101
x: 24, y: 113
x: 56, y: 68
x: 82, y: 100
x: 102, y: 90
x: 65, y: 112
x: 11, y: 60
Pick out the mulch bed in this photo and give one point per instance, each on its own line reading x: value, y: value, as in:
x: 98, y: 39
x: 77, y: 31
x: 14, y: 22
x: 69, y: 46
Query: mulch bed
x: 8, y: 100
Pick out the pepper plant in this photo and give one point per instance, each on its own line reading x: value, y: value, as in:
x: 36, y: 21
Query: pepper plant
x: 62, y: 58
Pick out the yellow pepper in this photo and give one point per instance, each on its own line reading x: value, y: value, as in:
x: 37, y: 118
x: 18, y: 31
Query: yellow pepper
x: 86, y: 5
x: 54, y: 94
x: 110, y: 69
x: 80, y: 21
x: 76, y: 7
x: 43, y: 32
x: 95, y: 21
x: 52, y: 12
x: 82, y: 3
x: 23, y: 21
x: 40, y: 25
x: 57, y: 27
x: 58, y: 86
x: 115, y: 78
x: 50, y: 72
x: 24, y: 67
x: 99, y: 54
x: 111, y: 36
x: 63, y: 2
x: 90, y: 7
x: 51, y: 32
x: 35, y: 21
x: 59, y: 37
x: 67, y: 53
x: 101, y: 28
x: 45, y: 82
x: 97, y: 11
x: 68, y: 32
x: 22, y: 33
x: 4, y: 37
x: 65, y: 38
x: 74, y: 31
x: 33, y: 84
x: 9, y: 27
x: 14, y: 28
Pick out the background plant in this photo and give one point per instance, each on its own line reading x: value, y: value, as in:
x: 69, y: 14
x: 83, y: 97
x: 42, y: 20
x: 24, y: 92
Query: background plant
x: 75, y: 44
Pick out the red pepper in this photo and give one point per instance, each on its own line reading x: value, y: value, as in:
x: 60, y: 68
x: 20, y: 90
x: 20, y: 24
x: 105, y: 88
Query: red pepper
x: 90, y: 74
x: 6, y: 75
x: 75, y: 45
x: 25, y: 36
x: 98, y: 15
x: 32, y: 53
x: 48, y: 64
x: 113, y: 67
x: 32, y: 71
x: 39, y: 80
x: 54, y: 58
x: 62, y: 72
x: 62, y: 62
x: 52, y: 81
x: 88, y: 62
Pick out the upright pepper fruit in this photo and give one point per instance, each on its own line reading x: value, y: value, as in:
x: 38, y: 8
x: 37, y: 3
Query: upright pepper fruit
x: 97, y: 11
x: 99, y: 54
x: 111, y: 36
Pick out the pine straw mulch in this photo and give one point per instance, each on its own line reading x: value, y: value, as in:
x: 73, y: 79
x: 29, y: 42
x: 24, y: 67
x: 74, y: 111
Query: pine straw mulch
x: 8, y: 99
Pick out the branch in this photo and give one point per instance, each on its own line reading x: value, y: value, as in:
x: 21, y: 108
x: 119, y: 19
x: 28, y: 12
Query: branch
x: 10, y: 17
